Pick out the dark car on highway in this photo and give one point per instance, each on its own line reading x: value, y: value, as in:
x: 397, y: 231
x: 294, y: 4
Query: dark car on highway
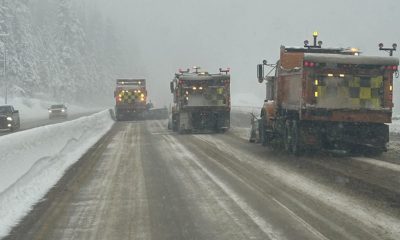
x: 58, y: 111
x: 9, y: 118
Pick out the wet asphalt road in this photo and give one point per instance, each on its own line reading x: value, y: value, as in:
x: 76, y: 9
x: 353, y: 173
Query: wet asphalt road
x: 144, y: 182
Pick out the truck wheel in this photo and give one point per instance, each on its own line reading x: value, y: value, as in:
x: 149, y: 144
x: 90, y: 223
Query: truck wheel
x: 287, y: 137
x: 261, y: 132
x: 295, y: 140
x: 178, y: 125
x: 263, y: 135
x: 174, y: 123
x: 252, y: 138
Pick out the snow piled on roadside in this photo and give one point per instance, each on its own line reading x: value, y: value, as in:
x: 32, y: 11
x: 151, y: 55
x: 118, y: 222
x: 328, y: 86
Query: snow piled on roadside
x: 32, y: 161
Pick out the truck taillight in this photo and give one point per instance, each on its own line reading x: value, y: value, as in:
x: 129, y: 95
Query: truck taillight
x: 309, y: 64
x: 392, y: 68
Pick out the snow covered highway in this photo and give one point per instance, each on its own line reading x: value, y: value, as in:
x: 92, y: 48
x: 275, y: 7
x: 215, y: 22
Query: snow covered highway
x: 141, y: 181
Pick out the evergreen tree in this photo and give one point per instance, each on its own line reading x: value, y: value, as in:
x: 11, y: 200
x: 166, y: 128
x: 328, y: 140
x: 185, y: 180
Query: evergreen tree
x: 58, y: 50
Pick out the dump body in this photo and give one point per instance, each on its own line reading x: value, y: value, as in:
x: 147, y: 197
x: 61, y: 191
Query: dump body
x: 201, y: 102
x: 130, y: 98
x: 329, y: 98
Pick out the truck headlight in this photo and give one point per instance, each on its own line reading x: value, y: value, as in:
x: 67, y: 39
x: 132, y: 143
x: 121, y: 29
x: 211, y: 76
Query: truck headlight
x: 9, y: 119
x: 62, y: 110
x: 49, y: 111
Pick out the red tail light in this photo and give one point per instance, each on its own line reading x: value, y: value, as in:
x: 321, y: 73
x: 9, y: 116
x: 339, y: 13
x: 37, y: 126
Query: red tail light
x: 393, y: 68
x: 309, y: 64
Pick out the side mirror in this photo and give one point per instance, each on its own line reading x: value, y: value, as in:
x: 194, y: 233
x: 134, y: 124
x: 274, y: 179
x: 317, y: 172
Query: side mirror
x: 16, y: 111
x: 171, y: 86
x: 260, y: 73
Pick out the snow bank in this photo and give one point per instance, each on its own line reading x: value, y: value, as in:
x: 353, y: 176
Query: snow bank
x: 32, y: 161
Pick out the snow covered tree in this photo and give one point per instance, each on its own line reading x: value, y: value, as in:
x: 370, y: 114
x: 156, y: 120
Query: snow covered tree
x: 59, y: 50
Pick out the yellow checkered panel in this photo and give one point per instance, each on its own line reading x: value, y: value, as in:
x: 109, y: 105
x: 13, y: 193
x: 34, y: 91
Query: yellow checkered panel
x: 358, y: 92
x: 128, y: 96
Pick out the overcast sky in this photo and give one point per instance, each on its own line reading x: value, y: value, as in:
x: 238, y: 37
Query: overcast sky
x: 163, y: 36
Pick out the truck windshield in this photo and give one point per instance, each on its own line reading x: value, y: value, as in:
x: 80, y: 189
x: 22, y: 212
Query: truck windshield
x: 57, y: 106
x: 349, y: 91
x: 5, y: 109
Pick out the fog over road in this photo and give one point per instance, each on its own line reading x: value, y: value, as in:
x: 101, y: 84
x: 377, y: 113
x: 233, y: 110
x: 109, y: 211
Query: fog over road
x: 143, y: 182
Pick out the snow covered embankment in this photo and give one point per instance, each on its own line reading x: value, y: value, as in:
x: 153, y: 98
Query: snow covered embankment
x: 32, y: 161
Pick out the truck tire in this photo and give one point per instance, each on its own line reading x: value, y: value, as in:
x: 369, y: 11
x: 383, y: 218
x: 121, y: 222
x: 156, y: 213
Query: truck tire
x: 174, y: 123
x: 295, y: 138
x: 287, y: 137
x: 263, y: 133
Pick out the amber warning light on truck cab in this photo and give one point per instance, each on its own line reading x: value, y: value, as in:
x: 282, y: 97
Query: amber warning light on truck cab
x: 316, y: 44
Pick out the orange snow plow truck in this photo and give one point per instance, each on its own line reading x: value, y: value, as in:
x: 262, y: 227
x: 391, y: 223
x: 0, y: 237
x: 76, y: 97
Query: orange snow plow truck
x: 130, y: 99
x: 327, y: 98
